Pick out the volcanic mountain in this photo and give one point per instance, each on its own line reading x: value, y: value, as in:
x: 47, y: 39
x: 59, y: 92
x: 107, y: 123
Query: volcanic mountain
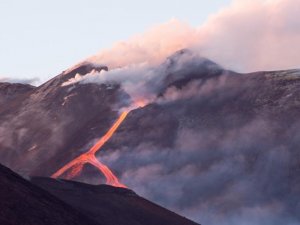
x: 211, y: 143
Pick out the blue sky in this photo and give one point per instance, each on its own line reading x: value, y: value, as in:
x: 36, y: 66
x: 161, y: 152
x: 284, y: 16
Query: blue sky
x: 42, y: 38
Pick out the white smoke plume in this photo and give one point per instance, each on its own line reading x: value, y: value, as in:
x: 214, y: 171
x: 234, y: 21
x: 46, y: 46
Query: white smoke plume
x: 133, y: 79
x: 151, y: 47
x: 248, y: 35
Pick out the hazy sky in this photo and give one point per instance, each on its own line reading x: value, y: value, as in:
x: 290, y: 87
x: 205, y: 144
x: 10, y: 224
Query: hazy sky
x: 42, y: 38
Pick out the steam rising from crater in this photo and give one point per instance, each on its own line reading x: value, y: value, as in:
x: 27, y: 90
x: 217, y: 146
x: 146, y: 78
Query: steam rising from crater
x: 248, y: 35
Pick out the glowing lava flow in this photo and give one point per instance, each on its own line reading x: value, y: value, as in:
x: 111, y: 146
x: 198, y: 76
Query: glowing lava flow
x: 76, y: 165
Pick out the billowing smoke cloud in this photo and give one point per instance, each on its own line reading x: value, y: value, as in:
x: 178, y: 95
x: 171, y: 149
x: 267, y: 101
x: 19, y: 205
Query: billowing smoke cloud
x: 151, y: 47
x: 249, y: 35
x: 254, y: 35
x: 133, y: 79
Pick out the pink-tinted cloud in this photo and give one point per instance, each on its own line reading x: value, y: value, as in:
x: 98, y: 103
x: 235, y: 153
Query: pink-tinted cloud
x: 254, y: 35
x: 248, y: 35
x: 150, y: 47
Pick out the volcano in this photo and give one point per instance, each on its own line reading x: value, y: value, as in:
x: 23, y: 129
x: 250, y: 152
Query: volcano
x: 210, y: 142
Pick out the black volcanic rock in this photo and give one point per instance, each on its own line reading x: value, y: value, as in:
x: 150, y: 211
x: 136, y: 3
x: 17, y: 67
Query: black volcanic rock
x: 22, y: 203
x: 83, y: 69
x: 110, y: 205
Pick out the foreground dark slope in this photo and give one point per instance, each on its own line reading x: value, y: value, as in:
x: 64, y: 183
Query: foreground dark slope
x: 22, y: 203
x: 110, y: 205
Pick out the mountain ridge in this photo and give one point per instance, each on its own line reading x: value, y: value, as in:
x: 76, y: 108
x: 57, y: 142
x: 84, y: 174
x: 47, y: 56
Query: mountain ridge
x: 207, y: 134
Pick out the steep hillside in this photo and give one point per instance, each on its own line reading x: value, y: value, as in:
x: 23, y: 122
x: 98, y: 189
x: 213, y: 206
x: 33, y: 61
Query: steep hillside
x: 110, y: 205
x: 68, y: 118
x: 8, y: 91
x: 22, y: 203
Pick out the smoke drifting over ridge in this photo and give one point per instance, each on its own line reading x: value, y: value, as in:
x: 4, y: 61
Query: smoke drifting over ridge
x: 248, y: 35
x: 32, y: 81
x: 145, y: 82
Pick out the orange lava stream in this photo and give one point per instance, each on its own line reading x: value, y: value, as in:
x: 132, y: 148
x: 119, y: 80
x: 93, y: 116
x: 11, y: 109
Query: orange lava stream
x: 75, y: 166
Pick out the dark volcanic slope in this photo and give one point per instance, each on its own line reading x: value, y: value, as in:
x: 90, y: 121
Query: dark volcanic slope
x: 22, y: 203
x: 72, y: 203
x: 110, y: 205
x: 10, y: 91
x: 221, y: 147
x: 228, y: 146
x: 50, y: 124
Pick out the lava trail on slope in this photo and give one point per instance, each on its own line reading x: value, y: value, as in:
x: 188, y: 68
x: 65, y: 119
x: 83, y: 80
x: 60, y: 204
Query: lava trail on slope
x: 75, y: 166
